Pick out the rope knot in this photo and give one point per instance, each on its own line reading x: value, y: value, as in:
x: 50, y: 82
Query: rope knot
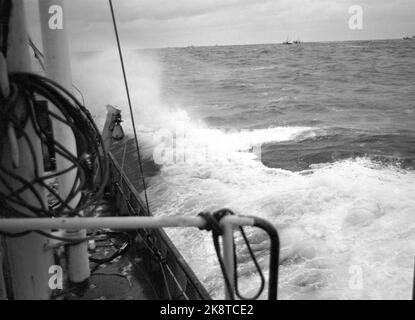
x: 213, y: 221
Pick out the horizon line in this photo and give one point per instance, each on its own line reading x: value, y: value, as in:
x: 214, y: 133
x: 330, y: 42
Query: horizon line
x: 240, y: 44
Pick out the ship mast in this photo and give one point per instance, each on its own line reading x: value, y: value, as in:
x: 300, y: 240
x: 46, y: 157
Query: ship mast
x: 58, y: 68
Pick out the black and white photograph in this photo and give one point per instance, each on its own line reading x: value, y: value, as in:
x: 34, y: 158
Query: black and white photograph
x: 213, y: 150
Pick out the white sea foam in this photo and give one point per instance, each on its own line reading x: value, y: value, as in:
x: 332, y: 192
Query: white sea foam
x: 332, y: 220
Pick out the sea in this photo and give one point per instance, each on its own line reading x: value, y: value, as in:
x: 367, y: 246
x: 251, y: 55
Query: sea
x: 317, y: 138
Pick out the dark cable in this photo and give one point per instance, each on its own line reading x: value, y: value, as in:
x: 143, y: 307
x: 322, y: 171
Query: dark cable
x: 109, y: 275
x: 5, y: 10
x: 15, y: 234
x: 120, y: 251
x: 91, y: 163
x: 37, y: 53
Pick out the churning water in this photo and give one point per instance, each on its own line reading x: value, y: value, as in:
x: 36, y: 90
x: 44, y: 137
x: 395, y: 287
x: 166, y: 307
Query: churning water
x: 318, y: 138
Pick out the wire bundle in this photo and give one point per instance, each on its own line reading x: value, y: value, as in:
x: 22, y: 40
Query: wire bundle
x: 90, y: 161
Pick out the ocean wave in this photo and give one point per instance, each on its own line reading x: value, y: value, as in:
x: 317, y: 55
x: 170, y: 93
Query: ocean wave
x: 327, y: 145
x: 331, y: 218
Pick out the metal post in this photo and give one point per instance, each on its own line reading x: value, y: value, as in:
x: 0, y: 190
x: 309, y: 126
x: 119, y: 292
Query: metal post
x: 413, y: 285
x: 27, y: 261
x: 58, y: 68
x: 3, y: 295
x: 228, y: 257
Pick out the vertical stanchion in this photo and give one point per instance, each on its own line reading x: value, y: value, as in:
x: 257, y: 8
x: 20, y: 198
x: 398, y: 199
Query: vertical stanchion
x: 27, y: 261
x: 58, y: 68
x: 413, y: 284
x: 3, y: 295
x: 228, y: 257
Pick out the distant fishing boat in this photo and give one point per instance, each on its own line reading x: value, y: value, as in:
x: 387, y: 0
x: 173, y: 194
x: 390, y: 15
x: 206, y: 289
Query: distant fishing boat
x: 287, y: 41
x: 297, y: 41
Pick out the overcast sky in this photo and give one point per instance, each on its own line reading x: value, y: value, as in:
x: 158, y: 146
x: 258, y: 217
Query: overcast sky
x: 168, y: 23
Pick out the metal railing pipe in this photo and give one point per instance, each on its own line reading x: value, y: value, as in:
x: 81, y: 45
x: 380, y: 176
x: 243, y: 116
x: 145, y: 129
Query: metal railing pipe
x: 128, y: 223
x: 228, y: 256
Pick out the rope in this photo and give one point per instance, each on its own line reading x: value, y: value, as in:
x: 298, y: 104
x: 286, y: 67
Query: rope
x: 38, y: 54
x: 80, y: 93
x: 120, y: 251
x: 129, y: 103
x: 123, y: 161
x: 183, y: 291
x: 166, y: 284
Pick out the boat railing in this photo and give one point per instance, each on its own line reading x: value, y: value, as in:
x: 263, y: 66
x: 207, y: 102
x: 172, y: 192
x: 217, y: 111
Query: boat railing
x: 159, y: 254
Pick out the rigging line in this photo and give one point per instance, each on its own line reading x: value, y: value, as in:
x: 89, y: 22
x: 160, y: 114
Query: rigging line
x: 123, y: 161
x: 129, y: 104
x: 80, y: 93
x: 165, y: 281
x: 183, y: 292
x: 37, y: 52
x: 40, y: 58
